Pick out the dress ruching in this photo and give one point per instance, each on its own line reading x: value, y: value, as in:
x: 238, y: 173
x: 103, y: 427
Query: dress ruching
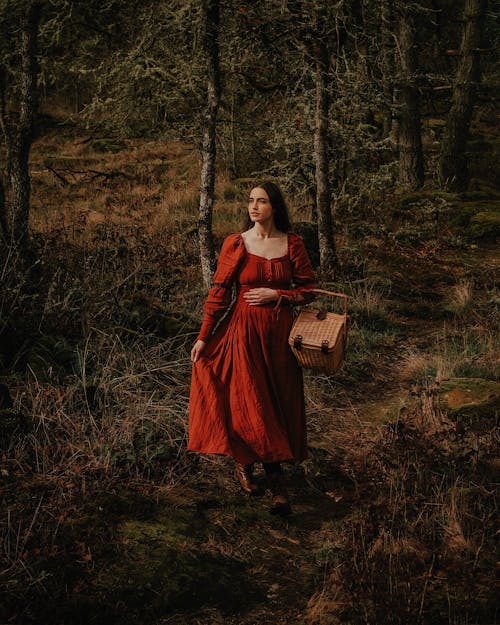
x: 247, y: 398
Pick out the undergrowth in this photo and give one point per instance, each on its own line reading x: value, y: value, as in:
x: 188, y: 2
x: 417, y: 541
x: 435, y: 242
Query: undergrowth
x: 95, y: 333
x: 418, y: 546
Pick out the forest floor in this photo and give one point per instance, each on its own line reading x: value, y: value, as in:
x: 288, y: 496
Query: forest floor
x: 393, y: 511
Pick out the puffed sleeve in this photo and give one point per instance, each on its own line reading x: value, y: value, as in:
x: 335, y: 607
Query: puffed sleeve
x: 303, y: 279
x: 219, y: 296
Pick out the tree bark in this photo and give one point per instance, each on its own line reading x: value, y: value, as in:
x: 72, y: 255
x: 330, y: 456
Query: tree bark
x: 20, y: 137
x: 411, y: 162
x: 454, y: 173
x: 390, y: 121
x: 211, y: 18
x: 321, y: 159
x: 4, y: 230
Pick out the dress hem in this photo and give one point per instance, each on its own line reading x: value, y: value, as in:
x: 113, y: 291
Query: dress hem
x: 247, y: 459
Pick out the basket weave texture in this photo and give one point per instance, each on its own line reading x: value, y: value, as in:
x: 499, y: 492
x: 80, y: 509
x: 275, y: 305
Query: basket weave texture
x: 318, y: 340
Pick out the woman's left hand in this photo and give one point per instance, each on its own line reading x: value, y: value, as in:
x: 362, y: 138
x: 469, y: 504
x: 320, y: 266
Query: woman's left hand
x: 258, y: 297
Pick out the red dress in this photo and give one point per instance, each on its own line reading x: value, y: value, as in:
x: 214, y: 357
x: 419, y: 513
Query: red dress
x: 247, y: 398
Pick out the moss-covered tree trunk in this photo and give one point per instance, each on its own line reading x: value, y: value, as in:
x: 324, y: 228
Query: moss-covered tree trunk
x: 211, y: 19
x: 321, y: 160
x: 453, y: 162
x: 411, y: 162
x: 19, y: 136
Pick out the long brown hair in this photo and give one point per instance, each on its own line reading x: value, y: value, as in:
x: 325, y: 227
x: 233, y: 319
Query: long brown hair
x: 280, y: 209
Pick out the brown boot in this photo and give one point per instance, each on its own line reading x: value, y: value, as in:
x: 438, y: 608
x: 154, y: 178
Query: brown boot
x: 244, y: 475
x: 280, y: 503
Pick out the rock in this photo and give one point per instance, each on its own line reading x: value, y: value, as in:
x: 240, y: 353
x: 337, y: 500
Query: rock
x: 473, y: 400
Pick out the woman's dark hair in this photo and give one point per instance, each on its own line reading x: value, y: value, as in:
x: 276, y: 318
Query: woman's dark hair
x: 280, y: 210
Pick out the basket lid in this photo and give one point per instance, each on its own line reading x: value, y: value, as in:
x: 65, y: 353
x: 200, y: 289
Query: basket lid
x: 313, y: 331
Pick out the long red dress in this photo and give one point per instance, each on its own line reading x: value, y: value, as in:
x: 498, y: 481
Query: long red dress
x: 247, y: 398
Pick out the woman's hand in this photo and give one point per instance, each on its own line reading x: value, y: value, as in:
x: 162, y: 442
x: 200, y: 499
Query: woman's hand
x: 198, y: 347
x: 258, y: 297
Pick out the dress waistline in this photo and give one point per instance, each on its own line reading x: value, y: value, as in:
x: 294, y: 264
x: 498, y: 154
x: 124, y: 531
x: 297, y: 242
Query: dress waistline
x: 243, y: 288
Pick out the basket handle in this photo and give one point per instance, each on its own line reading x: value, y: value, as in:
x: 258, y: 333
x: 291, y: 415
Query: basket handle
x: 333, y: 294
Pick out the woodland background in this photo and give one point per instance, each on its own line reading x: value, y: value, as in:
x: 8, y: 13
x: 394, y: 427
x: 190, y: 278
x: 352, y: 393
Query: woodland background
x: 131, y: 133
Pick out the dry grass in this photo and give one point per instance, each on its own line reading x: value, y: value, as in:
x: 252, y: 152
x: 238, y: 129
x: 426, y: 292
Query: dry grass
x: 123, y: 412
x: 151, y: 187
x: 367, y: 300
x: 461, y: 297
x: 469, y: 353
x: 420, y: 533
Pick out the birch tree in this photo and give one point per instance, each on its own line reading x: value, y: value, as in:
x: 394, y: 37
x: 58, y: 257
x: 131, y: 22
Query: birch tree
x: 211, y: 19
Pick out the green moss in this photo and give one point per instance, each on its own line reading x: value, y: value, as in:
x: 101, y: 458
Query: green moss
x: 485, y: 225
x: 161, y: 568
x: 486, y: 194
x: 477, y: 219
x: 408, y: 200
x: 463, y: 213
x: 148, y: 561
x: 387, y: 410
x: 470, y: 398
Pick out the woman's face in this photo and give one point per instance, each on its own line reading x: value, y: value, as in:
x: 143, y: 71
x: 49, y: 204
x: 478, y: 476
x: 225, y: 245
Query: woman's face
x: 259, y: 206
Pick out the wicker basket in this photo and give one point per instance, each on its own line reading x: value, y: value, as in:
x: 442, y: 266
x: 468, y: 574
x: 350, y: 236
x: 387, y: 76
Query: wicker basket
x: 318, y: 338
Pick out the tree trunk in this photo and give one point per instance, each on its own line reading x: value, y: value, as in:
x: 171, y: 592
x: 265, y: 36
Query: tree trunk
x: 4, y: 230
x: 20, y: 137
x: 324, y: 211
x: 453, y: 164
x: 390, y: 123
x: 3, y: 214
x: 211, y: 17
x: 411, y: 162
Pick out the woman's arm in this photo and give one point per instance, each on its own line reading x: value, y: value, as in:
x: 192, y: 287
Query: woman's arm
x: 303, y: 278
x: 219, y: 296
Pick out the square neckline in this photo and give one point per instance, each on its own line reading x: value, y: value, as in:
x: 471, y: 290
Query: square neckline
x: 285, y: 255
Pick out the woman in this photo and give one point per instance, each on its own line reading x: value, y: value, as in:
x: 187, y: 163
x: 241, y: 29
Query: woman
x: 247, y: 397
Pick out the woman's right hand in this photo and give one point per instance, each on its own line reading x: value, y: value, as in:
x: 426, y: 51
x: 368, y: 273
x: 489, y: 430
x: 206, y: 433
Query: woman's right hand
x: 198, y: 347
